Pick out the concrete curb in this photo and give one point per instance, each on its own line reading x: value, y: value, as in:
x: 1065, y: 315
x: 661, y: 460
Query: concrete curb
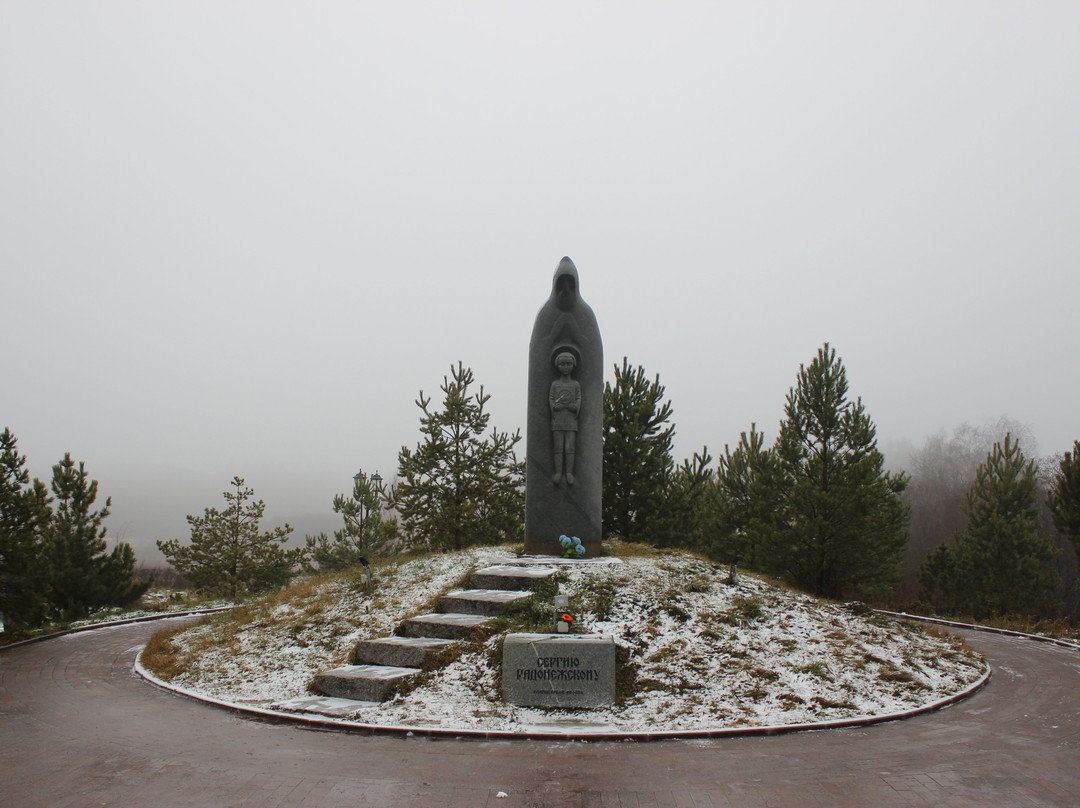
x: 345, y: 725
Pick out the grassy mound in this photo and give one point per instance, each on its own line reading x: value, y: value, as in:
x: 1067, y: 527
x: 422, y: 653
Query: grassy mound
x: 697, y: 651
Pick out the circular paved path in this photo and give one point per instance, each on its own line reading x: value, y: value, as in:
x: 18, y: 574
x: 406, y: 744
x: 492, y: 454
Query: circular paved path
x: 78, y: 728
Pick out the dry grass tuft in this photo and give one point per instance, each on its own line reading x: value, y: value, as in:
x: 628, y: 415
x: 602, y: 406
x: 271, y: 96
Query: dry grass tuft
x: 161, y: 656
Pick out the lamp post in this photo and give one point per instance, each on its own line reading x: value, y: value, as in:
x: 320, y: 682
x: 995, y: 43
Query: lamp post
x: 376, y: 482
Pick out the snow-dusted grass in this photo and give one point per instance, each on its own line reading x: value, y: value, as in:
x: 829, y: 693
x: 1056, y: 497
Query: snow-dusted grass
x: 697, y: 652
x: 271, y: 649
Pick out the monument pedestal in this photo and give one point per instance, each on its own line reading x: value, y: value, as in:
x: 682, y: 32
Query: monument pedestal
x: 559, y: 670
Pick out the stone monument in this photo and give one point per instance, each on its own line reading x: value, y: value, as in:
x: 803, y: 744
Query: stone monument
x: 565, y: 423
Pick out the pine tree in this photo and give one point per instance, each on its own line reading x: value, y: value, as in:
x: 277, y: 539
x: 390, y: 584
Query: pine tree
x: 365, y: 534
x: 744, y: 502
x: 841, y: 526
x: 228, y: 554
x: 942, y: 470
x: 638, y: 466
x: 25, y: 569
x: 686, y: 511
x: 85, y: 577
x: 1000, y: 563
x: 1064, y: 497
x: 459, y: 488
x: 118, y: 576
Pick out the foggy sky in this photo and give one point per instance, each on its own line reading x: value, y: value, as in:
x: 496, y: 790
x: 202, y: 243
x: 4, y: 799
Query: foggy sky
x: 237, y: 238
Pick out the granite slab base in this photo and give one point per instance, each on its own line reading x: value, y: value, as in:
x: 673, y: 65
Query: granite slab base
x: 318, y: 705
x: 401, y: 652
x: 361, y: 682
x: 559, y: 670
x: 511, y: 576
x: 486, y: 602
x: 442, y: 626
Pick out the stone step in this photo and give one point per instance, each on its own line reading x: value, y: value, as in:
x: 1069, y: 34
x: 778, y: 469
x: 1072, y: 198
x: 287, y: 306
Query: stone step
x: 403, y: 652
x: 487, y: 602
x: 453, y: 626
x: 362, y: 682
x: 322, y: 705
x: 511, y: 576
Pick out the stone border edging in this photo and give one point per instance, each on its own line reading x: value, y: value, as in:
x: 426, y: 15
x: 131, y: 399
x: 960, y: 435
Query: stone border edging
x: 146, y: 618
x: 345, y: 725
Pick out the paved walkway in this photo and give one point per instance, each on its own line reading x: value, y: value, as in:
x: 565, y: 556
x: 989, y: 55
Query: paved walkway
x: 77, y: 728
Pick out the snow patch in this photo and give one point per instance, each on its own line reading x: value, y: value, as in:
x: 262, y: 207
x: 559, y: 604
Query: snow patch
x: 705, y: 654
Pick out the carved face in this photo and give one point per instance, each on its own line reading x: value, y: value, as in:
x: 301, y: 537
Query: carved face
x: 565, y: 364
x: 565, y: 291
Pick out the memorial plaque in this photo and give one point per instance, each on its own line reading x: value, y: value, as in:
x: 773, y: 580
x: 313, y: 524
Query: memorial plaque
x: 559, y: 670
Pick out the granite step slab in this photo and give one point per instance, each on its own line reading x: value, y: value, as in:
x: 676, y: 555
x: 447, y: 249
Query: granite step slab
x: 511, y: 576
x: 323, y: 705
x: 454, y: 626
x: 362, y: 682
x: 487, y: 602
x: 404, y: 652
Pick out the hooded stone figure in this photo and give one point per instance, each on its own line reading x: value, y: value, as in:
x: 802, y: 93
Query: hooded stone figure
x: 565, y: 424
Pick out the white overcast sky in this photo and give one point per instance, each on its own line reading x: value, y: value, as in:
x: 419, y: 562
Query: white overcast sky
x: 236, y: 238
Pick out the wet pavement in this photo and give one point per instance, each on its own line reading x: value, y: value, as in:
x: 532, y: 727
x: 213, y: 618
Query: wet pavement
x: 78, y: 728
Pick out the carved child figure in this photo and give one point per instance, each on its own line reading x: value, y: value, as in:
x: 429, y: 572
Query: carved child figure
x: 565, y: 400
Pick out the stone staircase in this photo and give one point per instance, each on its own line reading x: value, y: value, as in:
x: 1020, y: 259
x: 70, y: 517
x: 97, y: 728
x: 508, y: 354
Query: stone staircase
x: 384, y: 662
